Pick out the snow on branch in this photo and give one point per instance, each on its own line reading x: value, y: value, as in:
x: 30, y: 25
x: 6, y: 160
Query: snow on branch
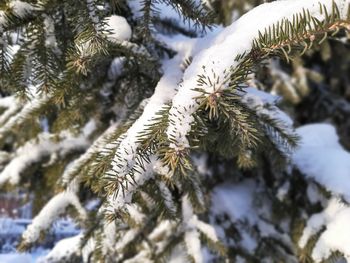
x: 321, y: 158
x: 28, y: 109
x: 232, y: 42
x: 126, y: 152
x: 17, y: 8
x: 193, y: 227
x: 34, y: 151
x: 97, y: 146
x: 335, y: 220
x: 12, y: 105
x: 56, y: 206
x: 63, y: 250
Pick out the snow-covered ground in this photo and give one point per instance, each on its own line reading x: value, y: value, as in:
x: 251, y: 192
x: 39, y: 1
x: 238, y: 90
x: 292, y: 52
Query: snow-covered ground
x: 12, y: 229
x: 32, y: 257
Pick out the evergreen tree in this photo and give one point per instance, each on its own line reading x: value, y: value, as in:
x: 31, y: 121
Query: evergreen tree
x: 155, y: 125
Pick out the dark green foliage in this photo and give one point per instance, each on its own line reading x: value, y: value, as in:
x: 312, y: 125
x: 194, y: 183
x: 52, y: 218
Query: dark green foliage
x: 65, y: 53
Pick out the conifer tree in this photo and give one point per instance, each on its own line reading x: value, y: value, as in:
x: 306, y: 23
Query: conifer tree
x: 155, y: 125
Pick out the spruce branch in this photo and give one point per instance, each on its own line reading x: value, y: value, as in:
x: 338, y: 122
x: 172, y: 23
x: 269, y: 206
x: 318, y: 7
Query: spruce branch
x: 301, y: 32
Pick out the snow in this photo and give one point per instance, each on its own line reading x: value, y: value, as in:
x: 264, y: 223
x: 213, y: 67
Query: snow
x: 11, y: 105
x: 15, y: 258
x: 92, y: 8
x: 219, y: 56
x: 74, y: 167
x: 10, y: 231
x: 178, y: 255
x: 246, y: 207
x: 135, y: 213
x: 264, y: 104
x: 7, y: 102
x: 167, y: 196
x: 126, y: 152
x: 50, y: 40
x: 34, y: 151
x: 321, y: 157
x: 109, y: 234
x: 116, y: 68
x: 117, y: 28
x: 3, y: 20
x: 26, y: 111
x: 56, y: 206
x: 193, y: 245
x: 193, y: 228
x: 140, y: 176
x: 207, y: 230
x: 21, y: 8
x: 163, y: 228
x: 63, y: 250
x: 192, y: 239
x: 235, y: 200
x: 283, y: 191
x: 9, y: 227
x: 33, y: 257
x: 336, y: 236
x: 128, y: 237
x: 313, y: 194
x: 143, y: 257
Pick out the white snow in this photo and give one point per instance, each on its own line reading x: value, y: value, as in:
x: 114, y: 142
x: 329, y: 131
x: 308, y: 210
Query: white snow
x: 235, y: 200
x: 321, y: 157
x: 7, y: 102
x: 92, y: 8
x: 34, y: 151
x: 139, y: 178
x: 126, y: 152
x: 3, y: 20
x: 56, y: 206
x: 193, y: 245
x: 135, y: 213
x: 63, y: 250
x: 207, y: 230
x: 26, y: 111
x: 162, y: 229
x: 116, y: 68
x: 192, y: 227
x: 167, y: 196
x: 12, y: 105
x: 33, y: 257
x: 265, y: 105
x: 192, y: 240
x: 50, y: 40
x: 220, y: 53
x: 109, y: 236
x: 178, y: 255
x: 117, y: 28
x: 244, y: 205
x: 74, y: 167
x: 336, y: 237
x: 15, y: 258
x: 21, y: 8
x: 128, y: 237
x: 143, y: 257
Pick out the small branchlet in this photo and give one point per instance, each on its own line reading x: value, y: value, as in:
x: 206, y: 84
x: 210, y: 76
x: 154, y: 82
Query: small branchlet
x: 301, y: 33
